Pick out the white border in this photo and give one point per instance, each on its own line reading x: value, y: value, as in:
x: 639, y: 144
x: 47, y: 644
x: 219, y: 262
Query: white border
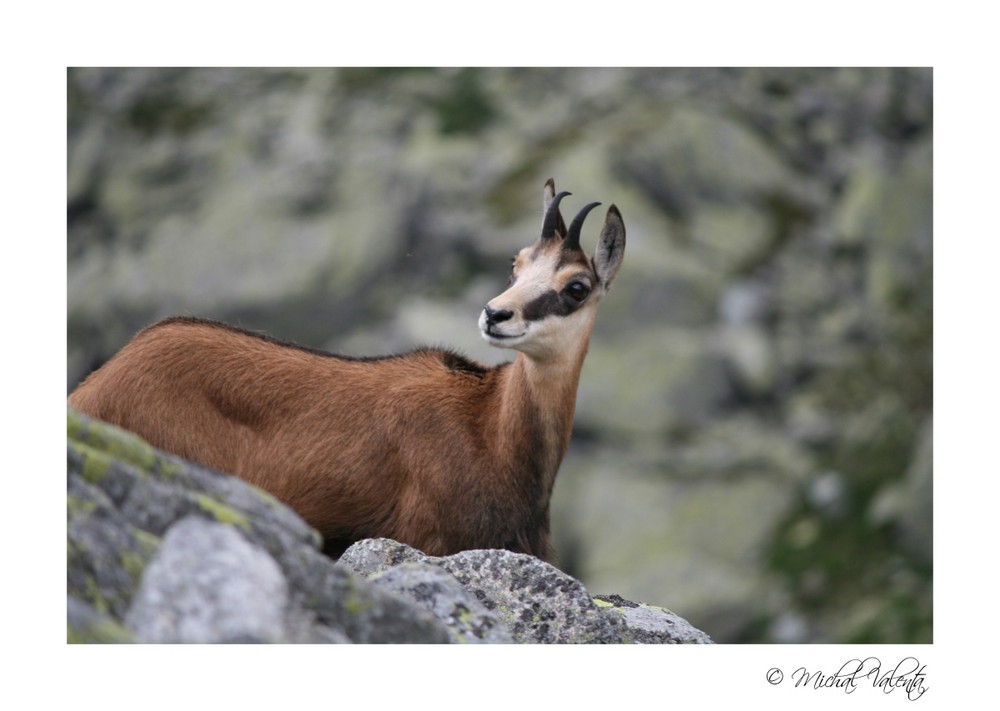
x: 43, y: 40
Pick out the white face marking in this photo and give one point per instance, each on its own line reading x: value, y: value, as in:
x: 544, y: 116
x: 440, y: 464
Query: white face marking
x: 538, y: 285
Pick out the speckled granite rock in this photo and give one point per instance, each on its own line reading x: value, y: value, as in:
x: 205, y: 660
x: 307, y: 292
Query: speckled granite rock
x: 648, y: 624
x: 467, y: 619
x: 534, y: 600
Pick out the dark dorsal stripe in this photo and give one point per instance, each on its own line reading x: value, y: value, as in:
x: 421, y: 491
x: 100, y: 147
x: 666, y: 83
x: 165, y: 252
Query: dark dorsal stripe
x: 451, y: 359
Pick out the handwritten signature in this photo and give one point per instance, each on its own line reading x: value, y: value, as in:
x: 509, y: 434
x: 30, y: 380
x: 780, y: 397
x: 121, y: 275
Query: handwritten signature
x: 908, y: 677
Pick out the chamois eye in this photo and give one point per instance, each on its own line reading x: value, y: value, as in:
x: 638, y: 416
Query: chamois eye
x: 578, y: 291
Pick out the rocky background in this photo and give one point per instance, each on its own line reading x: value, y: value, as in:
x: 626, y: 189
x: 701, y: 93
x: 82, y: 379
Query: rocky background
x: 753, y: 444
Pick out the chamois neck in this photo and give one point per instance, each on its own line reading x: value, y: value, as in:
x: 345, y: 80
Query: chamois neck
x: 539, y: 401
x: 553, y: 381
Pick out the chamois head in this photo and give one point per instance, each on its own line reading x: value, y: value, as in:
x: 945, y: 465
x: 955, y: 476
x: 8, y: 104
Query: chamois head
x: 551, y: 300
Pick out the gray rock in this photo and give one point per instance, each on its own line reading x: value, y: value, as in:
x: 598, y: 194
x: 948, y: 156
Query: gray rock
x: 535, y: 601
x: 653, y: 625
x: 85, y: 625
x: 750, y: 357
x: 106, y: 553
x: 368, y: 614
x: 743, y: 303
x: 466, y: 618
x: 376, y: 555
x: 208, y: 584
x: 538, y: 602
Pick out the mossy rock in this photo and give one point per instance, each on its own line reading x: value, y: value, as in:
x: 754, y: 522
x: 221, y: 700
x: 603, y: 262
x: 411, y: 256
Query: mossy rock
x: 85, y: 625
x: 100, y: 443
x: 122, y: 497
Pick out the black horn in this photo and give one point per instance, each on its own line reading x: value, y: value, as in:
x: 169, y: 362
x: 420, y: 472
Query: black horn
x: 572, y: 240
x: 552, y: 217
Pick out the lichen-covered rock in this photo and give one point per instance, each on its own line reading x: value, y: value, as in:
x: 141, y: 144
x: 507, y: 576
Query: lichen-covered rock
x: 534, y: 600
x: 106, y: 553
x: 368, y: 614
x: 85, y: 625
x: 538, y: 602
x: 652, y: 625
x: 466, y: 618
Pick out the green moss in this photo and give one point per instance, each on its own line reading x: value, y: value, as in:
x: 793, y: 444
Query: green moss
x: 222, y: 513
x: 135, y: 560
x: 92, y: 594
x: 265, y: 496
x: 355, y: 604
x: 95, y: 463
x: 73, y: 424
x: 133, y: 564
x: 103, y: 632
x: 77, y: 507
x: 115, y: 443
x: 147, y: 542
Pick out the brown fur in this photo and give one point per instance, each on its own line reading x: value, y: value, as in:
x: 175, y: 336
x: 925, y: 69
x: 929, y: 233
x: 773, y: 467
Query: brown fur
x: 426, y: 448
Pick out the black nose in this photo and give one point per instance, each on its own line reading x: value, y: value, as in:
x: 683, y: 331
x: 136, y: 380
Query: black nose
x: 495, y: 317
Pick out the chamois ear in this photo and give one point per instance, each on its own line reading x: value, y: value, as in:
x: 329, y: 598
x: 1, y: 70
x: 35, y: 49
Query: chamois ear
x: 610, y: 248
x: 548, y: 195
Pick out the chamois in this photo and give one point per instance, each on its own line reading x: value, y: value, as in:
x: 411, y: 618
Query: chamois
x: 427, y: 448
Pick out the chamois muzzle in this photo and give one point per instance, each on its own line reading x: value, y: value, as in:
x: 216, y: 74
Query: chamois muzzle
x: 493, y: 317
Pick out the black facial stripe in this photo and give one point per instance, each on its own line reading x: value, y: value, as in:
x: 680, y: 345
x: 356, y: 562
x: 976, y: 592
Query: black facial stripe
x: 551, y: 303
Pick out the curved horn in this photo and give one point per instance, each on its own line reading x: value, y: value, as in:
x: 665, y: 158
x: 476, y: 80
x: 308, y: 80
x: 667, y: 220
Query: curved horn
x: 572, y: 240
x: 552, y: 217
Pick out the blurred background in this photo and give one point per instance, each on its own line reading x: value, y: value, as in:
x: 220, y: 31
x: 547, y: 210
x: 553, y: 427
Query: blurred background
x: 753, y: 441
